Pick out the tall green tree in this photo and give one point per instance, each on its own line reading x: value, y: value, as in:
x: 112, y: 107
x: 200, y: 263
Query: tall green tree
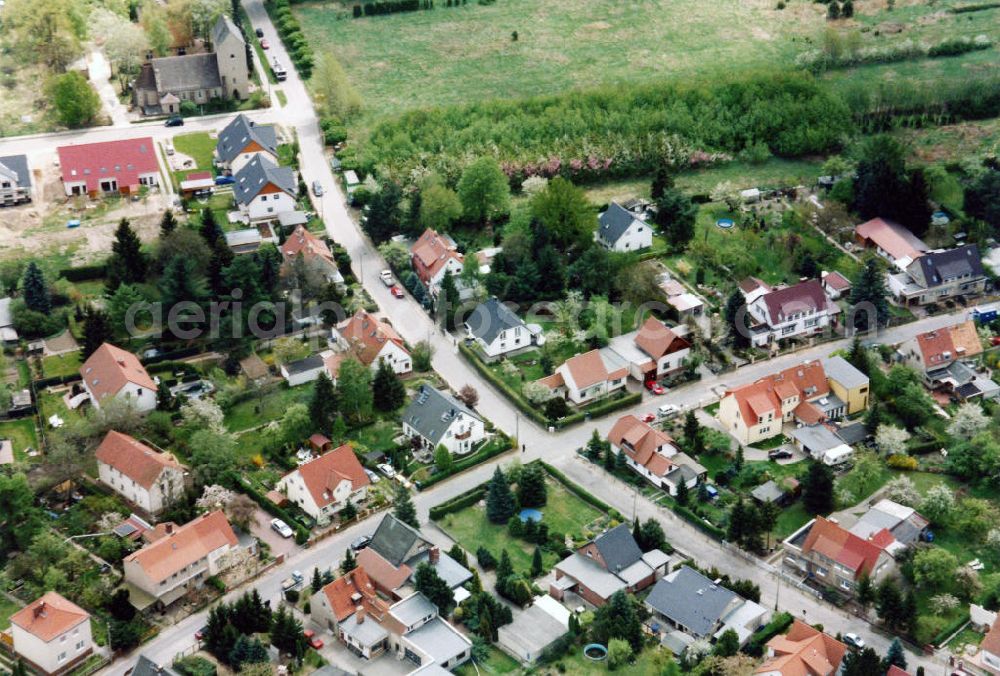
x: 323, y: 405
x: 349, y: 563
x: 662, y: 181
x: 430, y: 584
x: 563, y: 211
x: 210, y: 229
x: 36, y: 290
x: 537, y: 566
x: 858, y: 356
x: 531, y: 490
x: 895, y: 655
x: 354, y: 387
x: 74, y: 101
x: 735, y: 318
x: 384, y: 214
x: 388, y: 391
x: 862, y: 663
x: 676, y: 215
x: 20, y: 518
x: 884, y: 187
x: 127, y: 265
x: 870, y: 297
x: 437, y: 206
x: 402, y: 507
x: 817, y: 489
x: 500, y: 505
x: 727, y: 645
x: 168, y: 223
x: 982, y: 198
x: 483, y: 190
x: 448, y: 302
x: 889, y: 604
x: 97, y: 330
x: 618, y: 618
x: 286, y: 634
x: 651, y: 536
x: 126, y: 297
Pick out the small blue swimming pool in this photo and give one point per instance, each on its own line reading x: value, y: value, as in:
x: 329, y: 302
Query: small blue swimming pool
x: 725, y: 223
x: 527, y: 515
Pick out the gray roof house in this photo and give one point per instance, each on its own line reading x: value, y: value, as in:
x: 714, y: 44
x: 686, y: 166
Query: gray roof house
x: 611, y: 562
x: 938, y: 275
x: 15, y: 180
x: 815, y: 439
x: 904, y: 523
x: 690, y: 602
x: 303, y: 370
x: 498, y: 330
x: 438, y: 419
x: 842, y: 371
x: 147, y: 667
x: 618, y: 229
x: 243, y: 137
x: 259, y: 173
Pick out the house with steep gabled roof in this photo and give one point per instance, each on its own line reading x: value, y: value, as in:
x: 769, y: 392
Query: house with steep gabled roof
x: 112, y: 372
x: 179, y: 559
x: 372, y: 342
x: 51, y: 634
x: 891, y: 241
x: 835, y: 284
x: 609, y: 563
x: 243, y: 139
x: 312, y: 251
x: 653, y: 455
x: 322, y: 487
x: 438, y: 419
x: 803, y: 651
x: 803, y: 309
x: 652, y: 351
x: 109, y: 167
x: 619, y: 229
x: 15, y: 180
x: 432, y: 256
x: 150, y: 480
x: 939, y: 275
x: 587, y: 377
x: 497, y: 329
x: 263, y: 190
x: 941, y: 356
x: 834, y: 556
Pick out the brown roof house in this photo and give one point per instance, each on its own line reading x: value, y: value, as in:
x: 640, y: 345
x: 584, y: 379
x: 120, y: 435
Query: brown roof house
x: 587, y: 377
x: 313, y: 252
x: 51, y: 634
x: 323, y: 487
x: 611, y: 562
x: 652, y: 351
x: 148, y: 479
x: 803, y: 651
x: 395, y: 552
x: 432, y: 256
x: 796, y: 311
x: 891, y: 241
x: 112, y: 372
x: 372, y: 342
x: 653, y: 455
x: 180, y: 558
x: 941, y: 357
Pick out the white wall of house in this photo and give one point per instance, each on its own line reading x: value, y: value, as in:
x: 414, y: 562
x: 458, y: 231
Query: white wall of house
x: 294, y: 487
x: 57, y: 654
x: 302, y: 377
x: 639, y: 236
x: 592, y: 392
x: 461, y: 437
x: 452, y: 265
x: 800, y: 324
x: 508, y: 340
x: 143, y: 398
x: 672, y: 362
x: 395, y: 356
x: 267, y: 207
x: 168, y: 487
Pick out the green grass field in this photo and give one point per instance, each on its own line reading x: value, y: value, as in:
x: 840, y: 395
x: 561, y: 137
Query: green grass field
x: 564, y: 513
x: 200, y: 147
x: 498, y: 662
x: 271, y: 406
x: 7, y: 608
x: 21, y: 434
x: 61, y: 364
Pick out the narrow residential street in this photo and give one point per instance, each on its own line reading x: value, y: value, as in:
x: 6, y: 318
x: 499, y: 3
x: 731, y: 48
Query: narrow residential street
x: 557, y: 448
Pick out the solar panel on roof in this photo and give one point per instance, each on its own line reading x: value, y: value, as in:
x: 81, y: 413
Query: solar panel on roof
x: 125, y: 529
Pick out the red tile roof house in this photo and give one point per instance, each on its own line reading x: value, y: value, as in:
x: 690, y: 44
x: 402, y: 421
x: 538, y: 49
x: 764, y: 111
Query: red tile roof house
x: 433, y: 255
x: 653, y: 455
x: 803, y: 651
x: 373, y: 341
x: 653, y: 351
x: 111, y: 371
x: 323, y: 487
x: 314, y: 253
x: 836, y: 557
x: 51, y: 635
x: 891, y: 241
x: 180, y: 558
x: 937, y: 355
x: 988, y: 658
x: 835, y: 284
x: 586, y: 377
x: 803, y: 309
x: 112, y: 167
x: 149, y: 480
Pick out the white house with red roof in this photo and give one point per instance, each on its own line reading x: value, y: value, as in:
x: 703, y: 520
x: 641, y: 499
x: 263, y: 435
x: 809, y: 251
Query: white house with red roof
x: 113, y: 372
x: 434, y: 254
x: 323, y: 487
x: 51, y: 634
x: 179, y: 559
x: 372, y: 341
x: 803, y: 309
x: 653, y: 455
x: 835, y: 284
x: 653, y: 351
x: 150, y: 480
x: 110, y: 167
x: 940, y: 357
x: 586, y: 377
x: 891, y: 241
x: 313, y: 251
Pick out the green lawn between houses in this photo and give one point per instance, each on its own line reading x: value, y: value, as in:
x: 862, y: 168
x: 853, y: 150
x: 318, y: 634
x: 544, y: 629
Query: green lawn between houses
x: 498, y: 662
x: 62, y: 364
x: 563, y: 513
x: 22, y: 434
x: 7, y: 608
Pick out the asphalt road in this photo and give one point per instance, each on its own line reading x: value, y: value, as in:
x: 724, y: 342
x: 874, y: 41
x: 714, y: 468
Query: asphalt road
x: 415, y: 325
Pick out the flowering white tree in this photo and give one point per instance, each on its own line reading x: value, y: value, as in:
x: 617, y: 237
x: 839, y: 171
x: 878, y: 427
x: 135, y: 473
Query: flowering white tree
x: 993, y: 540
x: 214, y: 497
x: 938, y: 504
x: 203, y: 414
x: 536, y: 393
x: 942, y: 603
x: 968, y: 421
x: 533, y: 185
x: 902, y: 490
x: 891, y: 440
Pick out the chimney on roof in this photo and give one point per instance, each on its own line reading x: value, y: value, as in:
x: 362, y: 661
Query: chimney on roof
x: 168, y: 528
x: 359, y: 614
x: 435, y: 555
x: 39, y: 610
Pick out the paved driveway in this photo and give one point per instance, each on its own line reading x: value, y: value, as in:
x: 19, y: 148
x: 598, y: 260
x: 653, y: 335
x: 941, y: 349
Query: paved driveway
x: 263, y: 531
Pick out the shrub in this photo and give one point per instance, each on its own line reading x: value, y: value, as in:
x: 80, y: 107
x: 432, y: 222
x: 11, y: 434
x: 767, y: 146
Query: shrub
x: 292, y: 596
x: 904, y: 462
x: 486, y: 560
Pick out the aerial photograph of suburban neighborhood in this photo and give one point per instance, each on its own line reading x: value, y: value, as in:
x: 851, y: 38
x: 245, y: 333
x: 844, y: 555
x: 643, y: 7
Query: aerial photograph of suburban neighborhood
x: 499, y: 337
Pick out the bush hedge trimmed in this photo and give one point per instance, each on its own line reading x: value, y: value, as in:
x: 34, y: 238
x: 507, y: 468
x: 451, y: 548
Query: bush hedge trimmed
x: 577, y: 490
x: 84, y: 273
x: 695, y: 520
x: 291, y: 34
x: 458, y: 503
x: 42, y: 383
x: 778, y: 625
x: 493, y: 448
x: 301, y: 533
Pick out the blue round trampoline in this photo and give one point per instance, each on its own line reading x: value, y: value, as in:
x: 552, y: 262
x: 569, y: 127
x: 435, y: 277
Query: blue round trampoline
x: 530, y: 515
x: 725, y: 223
x: 595, y: 652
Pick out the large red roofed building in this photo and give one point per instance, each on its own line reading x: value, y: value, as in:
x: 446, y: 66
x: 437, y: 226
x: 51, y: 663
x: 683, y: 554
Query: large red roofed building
x: 323, y: 487
x: 803, y: 309
x: 803, y: 651
x: 373, y: 341
x: 51, y: 634
x: 111, y: 167
x: 114, y: 372
x: 148, y: 479
x: 838, y: 558
x: 433, y: 255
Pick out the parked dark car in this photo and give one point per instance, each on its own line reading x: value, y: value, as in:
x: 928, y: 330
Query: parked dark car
x: 174, y: 121
x: 360, y: 543
x: 779, y: 454
x: 224, y: 180
x: 260, y: 32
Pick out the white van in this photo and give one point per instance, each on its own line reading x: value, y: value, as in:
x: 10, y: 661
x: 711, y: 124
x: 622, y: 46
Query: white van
x: 668, y: 411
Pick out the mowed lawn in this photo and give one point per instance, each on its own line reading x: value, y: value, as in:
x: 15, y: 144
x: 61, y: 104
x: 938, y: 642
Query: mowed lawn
x: 464, y: 54
x: 22, y: 435
x: 564, y: 513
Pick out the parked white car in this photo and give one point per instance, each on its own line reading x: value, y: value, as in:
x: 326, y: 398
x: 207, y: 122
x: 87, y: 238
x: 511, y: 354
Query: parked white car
x: 386, y: 469
x: 386, y: 277
x: 281, y: 528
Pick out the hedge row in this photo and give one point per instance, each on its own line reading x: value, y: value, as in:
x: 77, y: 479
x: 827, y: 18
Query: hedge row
x: 526, y: 407
x: 978, y: 7
x: 599, y: 409
x: 172, y: 355
x: 458, y: 503
x: 946, y: 633
x: 391, y: 7
x: 695, y: 520
x: 42, y: 383
x: 84, y: 273
x: 291, y: 35
x: 301, y: 533
x: 493, y: 448
x: 576, y: 490
x: 778, y: 625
